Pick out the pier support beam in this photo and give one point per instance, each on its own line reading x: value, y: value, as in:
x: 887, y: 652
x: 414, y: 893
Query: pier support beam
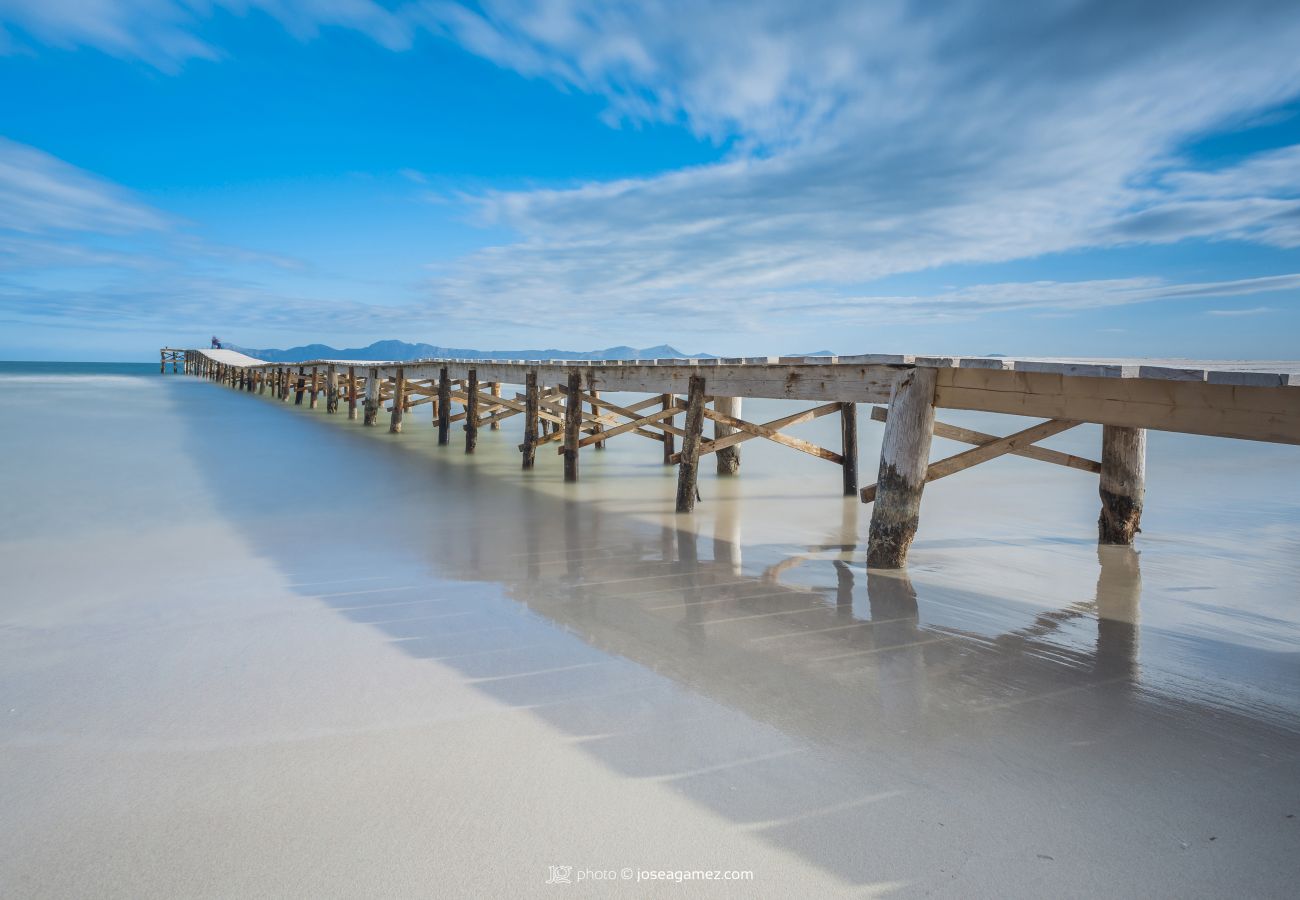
x: 1123, y: 483
x: 728, y: 457
x: 904, y: 458
x: 531, y: 406
x: 471, y: 412
x: 300, y: 388
x: 332, y: 390
x: 315, y: 387
x: 352, y: 392
x: 849, y: 448
x: 670, y: 442
x: 496, y: 392
x: 399, y: 402
x: 688, y: 469
x: 572, y: 426
x: 444, y: 407
x: 371, y: 415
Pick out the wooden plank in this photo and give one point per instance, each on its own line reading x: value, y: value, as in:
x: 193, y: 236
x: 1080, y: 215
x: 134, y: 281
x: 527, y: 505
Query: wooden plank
x: 970, y: 436
x: 1223, y: 410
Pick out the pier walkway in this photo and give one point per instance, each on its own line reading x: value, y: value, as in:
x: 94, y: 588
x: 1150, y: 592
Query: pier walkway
x: 562, y: 405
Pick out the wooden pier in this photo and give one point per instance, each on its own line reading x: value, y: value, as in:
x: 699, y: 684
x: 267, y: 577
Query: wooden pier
x: 562, y: 405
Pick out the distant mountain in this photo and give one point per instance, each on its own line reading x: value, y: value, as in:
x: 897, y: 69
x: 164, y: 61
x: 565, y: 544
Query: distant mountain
x: 401, y: 350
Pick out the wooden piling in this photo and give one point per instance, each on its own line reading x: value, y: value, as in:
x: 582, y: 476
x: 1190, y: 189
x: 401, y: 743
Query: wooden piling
x: 849, y: 447
x: 688, y: 468
x: 371, y: 416
x: 572, y: 425
x: 315, y: 387
x: 1123, y: 483
x: 904, y: 458
x: 352, y: 393
x: 444, y: 407
x: 332, y: 389
x: 399, y: 402
x: 531, y: 406
x: 471, y: 412
x: 162, y: 363
x: 496, y: 392
x: 301, y: 387
x: 728, y: 457
x: 670, y: 442
x: 598, y: 428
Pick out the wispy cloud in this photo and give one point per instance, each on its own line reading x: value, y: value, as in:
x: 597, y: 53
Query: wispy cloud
x: 1253, y: 311
x: 865, y: 140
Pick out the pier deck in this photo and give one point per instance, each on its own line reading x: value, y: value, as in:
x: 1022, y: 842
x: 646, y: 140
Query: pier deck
x: 562, y: 405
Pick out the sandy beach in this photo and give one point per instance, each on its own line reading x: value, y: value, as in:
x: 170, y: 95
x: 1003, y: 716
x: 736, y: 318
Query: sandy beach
x: 247, y: 649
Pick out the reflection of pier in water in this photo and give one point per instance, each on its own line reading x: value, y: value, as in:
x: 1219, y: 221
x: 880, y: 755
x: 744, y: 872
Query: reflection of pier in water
x: 846, y: 652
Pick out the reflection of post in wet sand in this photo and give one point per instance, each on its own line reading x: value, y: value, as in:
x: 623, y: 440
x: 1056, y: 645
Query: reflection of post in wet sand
x: 899, y: 643
x: 1119, y: 591
x: 726, y: 536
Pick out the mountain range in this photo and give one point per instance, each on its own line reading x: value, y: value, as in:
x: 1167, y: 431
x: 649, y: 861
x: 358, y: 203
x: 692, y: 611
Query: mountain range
x: 401, y: 350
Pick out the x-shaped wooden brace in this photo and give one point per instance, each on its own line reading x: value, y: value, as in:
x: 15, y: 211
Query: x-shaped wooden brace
x: 747, y: 431
x: 989, y: 446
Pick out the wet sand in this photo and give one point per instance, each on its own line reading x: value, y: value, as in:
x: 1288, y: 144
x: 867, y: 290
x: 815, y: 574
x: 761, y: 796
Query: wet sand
x: 249, y: 649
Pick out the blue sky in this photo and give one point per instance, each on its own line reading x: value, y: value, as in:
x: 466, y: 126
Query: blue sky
x: 1079, y: 178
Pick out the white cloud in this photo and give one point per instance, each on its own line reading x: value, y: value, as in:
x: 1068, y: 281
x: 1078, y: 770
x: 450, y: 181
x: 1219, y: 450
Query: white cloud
x: 866, y: 140
x: 39, y: 193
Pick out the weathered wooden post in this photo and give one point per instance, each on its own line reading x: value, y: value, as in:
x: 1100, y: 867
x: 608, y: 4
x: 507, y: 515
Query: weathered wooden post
x: 669, y: 441
x: 904, y: 458
x: 688, y: 468
x: 263, y: 376
x: 315, y: 387
x: 332, y: 389
x: 399, y: 402
x: 372, y: 397
x: 572, y: 425
x: 471, y: 412
x: 284, y: 384
x: 531, y: 406
x: 597, y: 427
x: 301, y: 387
x: 728, y: 457
x: 1123, y: 483
x: 849, y: 447
x: 174, y: 370
x: 162, y: 363
x: 496, y: 392
x: 444, y: 407
x: 352, y: 392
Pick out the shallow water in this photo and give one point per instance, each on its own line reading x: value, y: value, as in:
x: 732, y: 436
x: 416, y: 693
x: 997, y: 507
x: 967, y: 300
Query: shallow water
x: 248, y: 647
